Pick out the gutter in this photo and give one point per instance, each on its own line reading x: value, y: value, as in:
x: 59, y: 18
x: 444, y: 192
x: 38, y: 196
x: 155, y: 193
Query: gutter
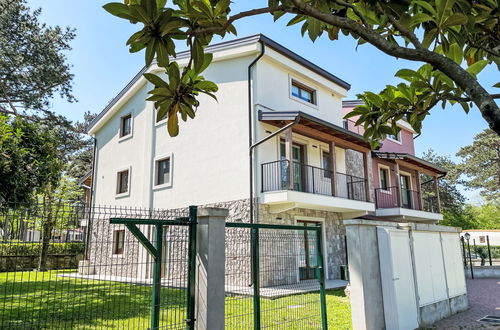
x: 92, y: 188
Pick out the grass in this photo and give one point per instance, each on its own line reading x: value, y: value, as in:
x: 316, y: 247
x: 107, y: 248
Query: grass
x: 44, y: 300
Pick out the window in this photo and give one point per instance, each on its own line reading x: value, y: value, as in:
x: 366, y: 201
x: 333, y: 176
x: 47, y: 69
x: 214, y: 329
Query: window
x: 345, y: 124
x: 126, y: 125
x: 396, y: 137
x: 162, y: 171
x: 327, y: 173
x: 122, y: 186
x: 303, y: 93
x: 118, y: 241
x: 384, y: 178
x: 482, y: 239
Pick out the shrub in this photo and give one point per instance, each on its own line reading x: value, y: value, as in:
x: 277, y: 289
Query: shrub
x: 24, y: 256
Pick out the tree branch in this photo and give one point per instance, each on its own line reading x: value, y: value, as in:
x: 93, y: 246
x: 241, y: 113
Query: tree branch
x: 238, y: 16
x: 404, y: 32
x: 8, y: 99
x: 354, y: 9
x: 490, y: 111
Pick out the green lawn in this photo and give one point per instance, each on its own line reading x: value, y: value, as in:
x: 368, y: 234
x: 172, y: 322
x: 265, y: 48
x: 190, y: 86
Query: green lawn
x: 43, y: 300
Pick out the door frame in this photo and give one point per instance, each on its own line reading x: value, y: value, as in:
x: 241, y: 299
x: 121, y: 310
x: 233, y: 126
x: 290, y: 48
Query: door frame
x: 410, y: 188
x: 303, y: 159
x: 297, y: 218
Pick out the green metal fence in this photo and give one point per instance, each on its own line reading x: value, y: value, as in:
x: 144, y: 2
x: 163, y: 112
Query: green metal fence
x: 114, y: 288
x: 274, y: 277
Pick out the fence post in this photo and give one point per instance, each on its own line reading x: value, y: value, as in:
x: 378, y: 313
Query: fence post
x: 191, y: 285
x: 463, y: 249
x: 210, y: 262
x: 155, y: 311
x: 321, y: 277
x: 255, y: 278
x: 489, y: 249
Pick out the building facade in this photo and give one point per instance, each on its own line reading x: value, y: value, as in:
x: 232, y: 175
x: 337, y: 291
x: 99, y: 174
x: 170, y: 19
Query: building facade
x: 274, y: 148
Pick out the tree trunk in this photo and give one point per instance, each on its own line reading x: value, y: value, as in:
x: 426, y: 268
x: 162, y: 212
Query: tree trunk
x: 47, y: 227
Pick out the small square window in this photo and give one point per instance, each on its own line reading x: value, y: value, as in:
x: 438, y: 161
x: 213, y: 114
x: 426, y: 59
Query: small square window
x: 126, y: 125
x: 122, y: 185
x: 396, y: 137
x: 482, y: 239
x: 303, y: 92
x: 163, y: 171
x: 118, y: 241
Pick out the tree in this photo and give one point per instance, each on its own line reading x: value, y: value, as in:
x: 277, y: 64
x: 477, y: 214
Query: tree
x: 481, y: 164
x: 440, y: 33
x: 80, y: 148
x: 33, y: 67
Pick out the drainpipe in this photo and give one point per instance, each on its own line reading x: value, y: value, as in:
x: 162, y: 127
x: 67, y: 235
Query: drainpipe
x: 250, y: 130
x: 92, y: 187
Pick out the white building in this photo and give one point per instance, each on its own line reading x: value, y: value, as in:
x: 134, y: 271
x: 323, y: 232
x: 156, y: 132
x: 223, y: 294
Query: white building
x: 480, y: 237
x: 262, y: 88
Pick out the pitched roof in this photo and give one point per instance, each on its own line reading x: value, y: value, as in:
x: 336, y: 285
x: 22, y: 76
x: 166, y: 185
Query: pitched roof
x: 410, y: 159
x: 226, y: 45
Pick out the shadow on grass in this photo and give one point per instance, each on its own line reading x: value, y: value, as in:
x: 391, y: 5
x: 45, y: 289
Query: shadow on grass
x: 44, y: 300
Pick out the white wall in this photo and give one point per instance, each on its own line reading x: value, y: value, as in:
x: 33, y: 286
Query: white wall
x: 494, y: 237
x: 209, y: 157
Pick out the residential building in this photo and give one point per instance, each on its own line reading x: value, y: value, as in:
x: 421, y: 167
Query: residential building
x: 272, y: 149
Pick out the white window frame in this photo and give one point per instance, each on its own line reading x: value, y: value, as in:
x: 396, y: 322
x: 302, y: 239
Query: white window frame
x: 112, y: 252
x: 322, y: 149
x: 128, y: 136
x: 155, y: 171
x: 398, y: 141
x: 308, y: 85
x: 127, y: 193
x: 389, y: 184
x: 408, y: 174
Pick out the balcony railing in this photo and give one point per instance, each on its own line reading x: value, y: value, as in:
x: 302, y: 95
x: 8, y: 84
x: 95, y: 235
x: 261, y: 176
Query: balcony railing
x: 311, y: 179
x: 408, y: 199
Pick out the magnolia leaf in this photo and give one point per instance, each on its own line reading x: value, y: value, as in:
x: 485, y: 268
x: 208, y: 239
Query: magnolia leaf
x: 497, y: 85
x: 409, y: 75
x: 477, y: 67
x: 455, y: 19
x: 173, y: 121
x: 155, y: 80
x: 120, y: 10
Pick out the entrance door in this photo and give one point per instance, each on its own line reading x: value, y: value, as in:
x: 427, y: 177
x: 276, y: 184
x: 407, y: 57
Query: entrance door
x: 308, y: 257
x: 298, y: 156
x: 405, y: 191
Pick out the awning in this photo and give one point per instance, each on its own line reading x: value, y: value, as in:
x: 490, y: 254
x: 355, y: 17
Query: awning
x: 410, y: 159
x: 315, y: 128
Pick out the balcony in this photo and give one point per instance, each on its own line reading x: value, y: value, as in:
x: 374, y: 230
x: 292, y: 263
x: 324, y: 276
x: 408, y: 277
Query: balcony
x: 406, y: 204
x: 346, y: 193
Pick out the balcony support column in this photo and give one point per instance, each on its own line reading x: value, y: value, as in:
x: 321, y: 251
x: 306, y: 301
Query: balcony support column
x: 333, y: 166
x: 289, y: 157
x: 436, y: 191
x: 367, y: 168
x: 397, y: 183
x: 419, y: 191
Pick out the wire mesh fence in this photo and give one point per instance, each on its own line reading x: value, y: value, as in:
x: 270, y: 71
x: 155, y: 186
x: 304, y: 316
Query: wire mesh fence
x: 99, y: 279
x: 287, y: 265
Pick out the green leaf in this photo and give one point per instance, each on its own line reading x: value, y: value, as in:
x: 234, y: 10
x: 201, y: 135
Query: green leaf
x: 173, y: 121
x: 155, y: 80
x: 455, y: 19
x: 119, y: 10
x: 160, y: 4
x: 296, y: 19
x: 150, y: 52
x: 221, y: 7
x: 207, y: 86
x: 497, y: 85
x: 314, y: 28
x: 420, y: 18
x: 427, y: 6
x: 429, y: 37
x: 477, y: 67
x: 409, y: 75
x: 455, y: 53
x: 162, y: 55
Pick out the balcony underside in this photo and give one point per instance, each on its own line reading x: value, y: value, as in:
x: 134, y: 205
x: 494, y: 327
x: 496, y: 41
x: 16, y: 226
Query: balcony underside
x: 284, y: 200
x: 399, y: 213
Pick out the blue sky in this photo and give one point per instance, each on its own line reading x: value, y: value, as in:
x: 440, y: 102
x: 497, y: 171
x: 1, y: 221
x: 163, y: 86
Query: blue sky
x: 102, y: 66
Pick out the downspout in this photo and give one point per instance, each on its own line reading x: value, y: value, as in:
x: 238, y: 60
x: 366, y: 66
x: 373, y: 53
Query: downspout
x: 91, y: 200
x: 250, y: 130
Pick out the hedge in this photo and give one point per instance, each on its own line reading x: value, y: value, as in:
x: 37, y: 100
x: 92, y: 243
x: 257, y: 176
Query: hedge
x: 24, y: 256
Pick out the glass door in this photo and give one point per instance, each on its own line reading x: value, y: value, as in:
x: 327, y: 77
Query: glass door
x: 405, y: 191
x: 297, y: 161
x: 308, y: 257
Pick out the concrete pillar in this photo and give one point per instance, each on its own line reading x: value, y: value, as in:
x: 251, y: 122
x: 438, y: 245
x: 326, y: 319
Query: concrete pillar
x: 420, y: 199
x: 210, y: 260
x: 367, y: 303
x: 367, y: 165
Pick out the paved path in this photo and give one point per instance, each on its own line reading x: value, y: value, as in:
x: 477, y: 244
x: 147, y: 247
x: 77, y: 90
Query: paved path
x: 484, y: 299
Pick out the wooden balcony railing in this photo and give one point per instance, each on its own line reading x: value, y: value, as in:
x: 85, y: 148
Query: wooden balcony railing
x: 391, y: 197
